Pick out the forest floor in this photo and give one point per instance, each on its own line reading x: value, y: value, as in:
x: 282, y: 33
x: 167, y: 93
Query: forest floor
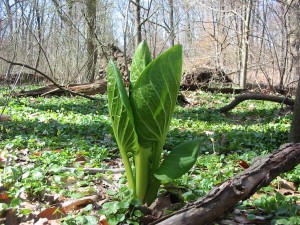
x: 60, y: 164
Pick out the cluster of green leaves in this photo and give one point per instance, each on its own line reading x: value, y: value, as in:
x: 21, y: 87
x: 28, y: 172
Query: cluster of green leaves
x: 84, y: 217
x: 141, y: 118
x: 122, y: 208
x: 279, y: 208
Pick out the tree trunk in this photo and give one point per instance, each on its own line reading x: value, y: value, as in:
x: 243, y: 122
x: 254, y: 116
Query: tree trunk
x: 172, y: 28
x: 245, y: 45
x: 224, y: 197
x: 295, y: 44
x: 91, y: 9
x: 138, y: 26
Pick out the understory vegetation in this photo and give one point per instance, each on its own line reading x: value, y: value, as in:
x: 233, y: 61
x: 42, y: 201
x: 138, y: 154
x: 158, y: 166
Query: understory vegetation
x: 49, y: 141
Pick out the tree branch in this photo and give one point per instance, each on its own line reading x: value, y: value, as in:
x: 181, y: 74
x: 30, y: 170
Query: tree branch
x: 261, y: 97
x: 224, y: 197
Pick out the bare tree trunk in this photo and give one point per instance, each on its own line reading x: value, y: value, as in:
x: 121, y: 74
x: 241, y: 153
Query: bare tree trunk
x: 245, y: 45
x: 172, y: 28
x: 138, y: 26
x: 39, y: 27
x: 91, y: 9
x: 9, y: 16
x: 295, y: 44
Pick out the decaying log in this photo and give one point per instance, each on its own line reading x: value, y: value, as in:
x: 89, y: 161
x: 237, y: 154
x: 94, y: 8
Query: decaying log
x: 86, y: 89
x: 240, y: 98
x: 224, y: 197
x: 63, y: 89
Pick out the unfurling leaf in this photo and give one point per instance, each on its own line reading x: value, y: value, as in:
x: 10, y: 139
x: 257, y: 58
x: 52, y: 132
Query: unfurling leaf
x: 180, y: 160
x: 141, y: 58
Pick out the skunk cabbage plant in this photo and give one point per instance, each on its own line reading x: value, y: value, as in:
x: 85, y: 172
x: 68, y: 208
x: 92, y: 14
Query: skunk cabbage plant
x: 141, y: 118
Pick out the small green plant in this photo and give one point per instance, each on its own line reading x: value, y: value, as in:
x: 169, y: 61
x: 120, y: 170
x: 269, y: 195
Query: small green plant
x: 281, y: 209
x: 279, y: 205
x: 141, y: 119
x: 123, y: 208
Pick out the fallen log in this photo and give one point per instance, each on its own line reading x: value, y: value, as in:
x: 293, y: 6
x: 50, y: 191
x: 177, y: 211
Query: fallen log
x: 223, y: 198
x: 240, y: 98
x: 59, y: 87
x: 86, y: 89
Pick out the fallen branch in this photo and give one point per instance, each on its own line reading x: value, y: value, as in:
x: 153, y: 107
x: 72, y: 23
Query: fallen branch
x: 48, y: 78
x: 87, y: 89
x: 95, y: 170
x: 224, y: 197
x: 261, y: 97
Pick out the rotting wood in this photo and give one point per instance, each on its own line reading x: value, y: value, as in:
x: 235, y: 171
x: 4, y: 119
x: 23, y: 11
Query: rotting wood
x: 48, y: 78
x: 223, y: 198
x: 86, y: 89
x: 240, y: 98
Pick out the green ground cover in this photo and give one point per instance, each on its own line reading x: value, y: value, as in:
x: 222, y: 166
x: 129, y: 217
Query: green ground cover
x: 46, y: 135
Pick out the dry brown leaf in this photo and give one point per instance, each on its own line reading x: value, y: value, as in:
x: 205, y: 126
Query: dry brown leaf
x: 243, y: 164
x: 80, y: 158
x: 287, y: 184
x: 46, y: 149
x: 80, y: 203
x: 103, y: 220
x: 53, y: 213
x: 3, y: 196
x: 4, y: 118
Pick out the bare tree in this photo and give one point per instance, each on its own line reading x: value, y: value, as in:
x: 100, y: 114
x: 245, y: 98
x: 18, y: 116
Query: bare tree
x: 137, y: 20
x: 91, y: 9
x: 245, y: 44
x: 172, y: 27
x: 295, y: 45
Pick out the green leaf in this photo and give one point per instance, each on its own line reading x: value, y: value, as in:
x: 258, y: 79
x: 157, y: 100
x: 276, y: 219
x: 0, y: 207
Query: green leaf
x: 15, y: 202
x: 3, y: 206
x: 122, y: 118
x: 120, y: 110
x: 111, y: 207
x: 141, y: 58
x: 55, y: 168
x: 180, y: 160
x: 154, y: 95
x: 25, y: 211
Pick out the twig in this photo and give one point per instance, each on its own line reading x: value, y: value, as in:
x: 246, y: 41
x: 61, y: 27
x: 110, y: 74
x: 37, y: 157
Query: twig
x: 95, y: 170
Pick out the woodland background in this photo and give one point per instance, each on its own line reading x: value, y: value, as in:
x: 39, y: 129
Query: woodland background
x: 71, y: 41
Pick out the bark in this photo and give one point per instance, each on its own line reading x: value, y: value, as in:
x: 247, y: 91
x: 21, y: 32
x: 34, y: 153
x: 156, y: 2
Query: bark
x: 137, y: 21
x: 224, y: 197
x: 172, y: 27
x: 295, y: 125
x: 261, y: 97
x: 245, y: 45
x: 295, y: 45
x: 91, y: 10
